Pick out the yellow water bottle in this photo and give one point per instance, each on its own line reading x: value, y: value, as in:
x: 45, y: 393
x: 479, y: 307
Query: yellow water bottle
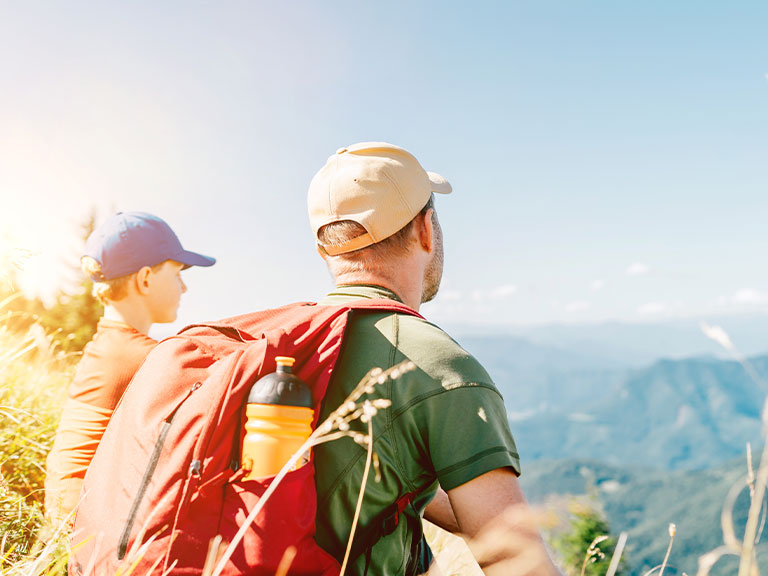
x: 278, y: 420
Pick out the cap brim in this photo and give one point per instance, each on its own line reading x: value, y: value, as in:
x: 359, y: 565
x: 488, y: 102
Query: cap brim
x: 439, y: 184
x: 193, y: 259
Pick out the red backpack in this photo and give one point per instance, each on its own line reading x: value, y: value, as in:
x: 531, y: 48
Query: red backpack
x: 166, y: 471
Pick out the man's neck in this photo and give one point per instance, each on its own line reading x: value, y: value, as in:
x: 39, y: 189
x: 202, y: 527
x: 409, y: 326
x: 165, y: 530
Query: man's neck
x: 405, y: 289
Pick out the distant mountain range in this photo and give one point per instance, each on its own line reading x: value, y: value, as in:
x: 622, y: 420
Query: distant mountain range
x: 674, y: 414
x: 683, y: 413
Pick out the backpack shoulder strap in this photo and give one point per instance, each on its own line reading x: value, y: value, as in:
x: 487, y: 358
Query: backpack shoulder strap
x: 386, y: 523
x: 250, y: 326
x: 382, y: 305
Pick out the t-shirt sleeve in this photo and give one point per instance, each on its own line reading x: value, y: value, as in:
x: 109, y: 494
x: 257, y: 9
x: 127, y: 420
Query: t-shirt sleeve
x: 467, y: 434
x: 451, y: 410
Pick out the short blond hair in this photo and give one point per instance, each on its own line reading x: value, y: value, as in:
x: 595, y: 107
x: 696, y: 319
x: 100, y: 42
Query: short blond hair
x: 106, y: 290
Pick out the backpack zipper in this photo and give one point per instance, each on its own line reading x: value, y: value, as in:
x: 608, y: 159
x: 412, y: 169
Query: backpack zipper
x: 148, y: 472
x: 201, y: 449
x: 196, y: 468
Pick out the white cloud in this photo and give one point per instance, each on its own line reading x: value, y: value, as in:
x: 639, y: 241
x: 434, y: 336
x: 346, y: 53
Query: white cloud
x: 450, y: 295
x: 581, y: 417
x: 750, y: 296
x: 610, y: 486
x: 637, y: 269
x: 720, y: 301
x: 504, y: 291
x: 577, y: 306
x: 498, y: 293
x: 598, y: 285
x: 741, y: 299
x: 521, y: 416
x: 653, y: 309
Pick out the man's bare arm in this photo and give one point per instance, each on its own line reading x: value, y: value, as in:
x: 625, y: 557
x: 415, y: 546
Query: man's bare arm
x: 503, y: 536
x: 440, y: 512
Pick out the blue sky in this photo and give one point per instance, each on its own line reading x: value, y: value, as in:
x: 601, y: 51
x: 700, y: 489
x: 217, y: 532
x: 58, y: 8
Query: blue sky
x: 609, y: 159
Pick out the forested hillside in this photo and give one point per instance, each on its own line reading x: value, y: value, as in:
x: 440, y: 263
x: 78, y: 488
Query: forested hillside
x: 643, y: 502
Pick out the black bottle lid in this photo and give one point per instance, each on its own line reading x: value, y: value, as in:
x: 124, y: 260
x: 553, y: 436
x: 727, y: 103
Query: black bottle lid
x: 281, y: 387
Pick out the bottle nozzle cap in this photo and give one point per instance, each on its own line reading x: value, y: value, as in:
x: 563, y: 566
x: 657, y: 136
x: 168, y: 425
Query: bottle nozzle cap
x: 285, y: 361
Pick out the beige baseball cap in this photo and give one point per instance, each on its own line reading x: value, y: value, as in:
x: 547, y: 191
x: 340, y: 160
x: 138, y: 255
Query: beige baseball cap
x: 378, y: 185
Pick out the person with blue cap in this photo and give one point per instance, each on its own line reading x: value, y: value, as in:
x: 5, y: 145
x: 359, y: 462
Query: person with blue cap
x: 135, y: 261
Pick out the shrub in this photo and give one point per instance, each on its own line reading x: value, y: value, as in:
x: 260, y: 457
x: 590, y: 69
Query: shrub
x: 33, y: 382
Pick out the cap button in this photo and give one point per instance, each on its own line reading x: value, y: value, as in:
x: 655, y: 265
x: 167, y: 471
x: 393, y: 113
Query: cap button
x: 341, y: 151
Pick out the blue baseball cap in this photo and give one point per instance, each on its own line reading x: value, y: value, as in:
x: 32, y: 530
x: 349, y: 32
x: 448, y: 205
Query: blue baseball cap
x: 128, y: 241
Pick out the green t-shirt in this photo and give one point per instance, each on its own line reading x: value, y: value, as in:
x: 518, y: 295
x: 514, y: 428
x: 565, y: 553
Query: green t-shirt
x: 447, y: 424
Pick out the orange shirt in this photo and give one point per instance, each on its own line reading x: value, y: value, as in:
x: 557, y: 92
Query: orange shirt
x: 109, y: 362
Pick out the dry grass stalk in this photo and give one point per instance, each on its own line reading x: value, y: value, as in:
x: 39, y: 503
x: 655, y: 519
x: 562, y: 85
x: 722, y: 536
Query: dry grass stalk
x: 748, y: 559
x: 730, y: 539
x: 215, y: 550
x: 368, y: 459
x: 757, y: 483
x: 134, y: 556
x: 593, y: 553
x: 47, y: 557
x: 89, y: 569
x: 750, y: 472
x: 617, y: 552
x: 286, y: 561
x: 672, y: 532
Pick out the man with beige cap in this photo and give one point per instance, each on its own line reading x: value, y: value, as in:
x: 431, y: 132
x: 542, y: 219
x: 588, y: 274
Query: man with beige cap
x: 444, y: 446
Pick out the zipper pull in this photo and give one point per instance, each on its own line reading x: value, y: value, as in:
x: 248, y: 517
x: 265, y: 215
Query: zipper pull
x: 196, y: 468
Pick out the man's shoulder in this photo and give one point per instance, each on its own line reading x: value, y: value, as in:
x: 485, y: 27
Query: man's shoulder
x: 416, y: 328
x: 432, y: 349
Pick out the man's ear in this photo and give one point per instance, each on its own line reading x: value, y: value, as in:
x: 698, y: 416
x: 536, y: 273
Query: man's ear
x: 143, y: 279
x: 426, y: 230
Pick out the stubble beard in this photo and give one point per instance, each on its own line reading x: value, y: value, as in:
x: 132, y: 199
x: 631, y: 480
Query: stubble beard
x: 434, y: 272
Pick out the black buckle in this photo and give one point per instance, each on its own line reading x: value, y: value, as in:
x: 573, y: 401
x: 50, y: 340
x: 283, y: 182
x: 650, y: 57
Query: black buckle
x: 389, y: 524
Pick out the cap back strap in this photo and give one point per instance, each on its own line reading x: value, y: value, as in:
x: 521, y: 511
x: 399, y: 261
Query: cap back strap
x: 348, y: 246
